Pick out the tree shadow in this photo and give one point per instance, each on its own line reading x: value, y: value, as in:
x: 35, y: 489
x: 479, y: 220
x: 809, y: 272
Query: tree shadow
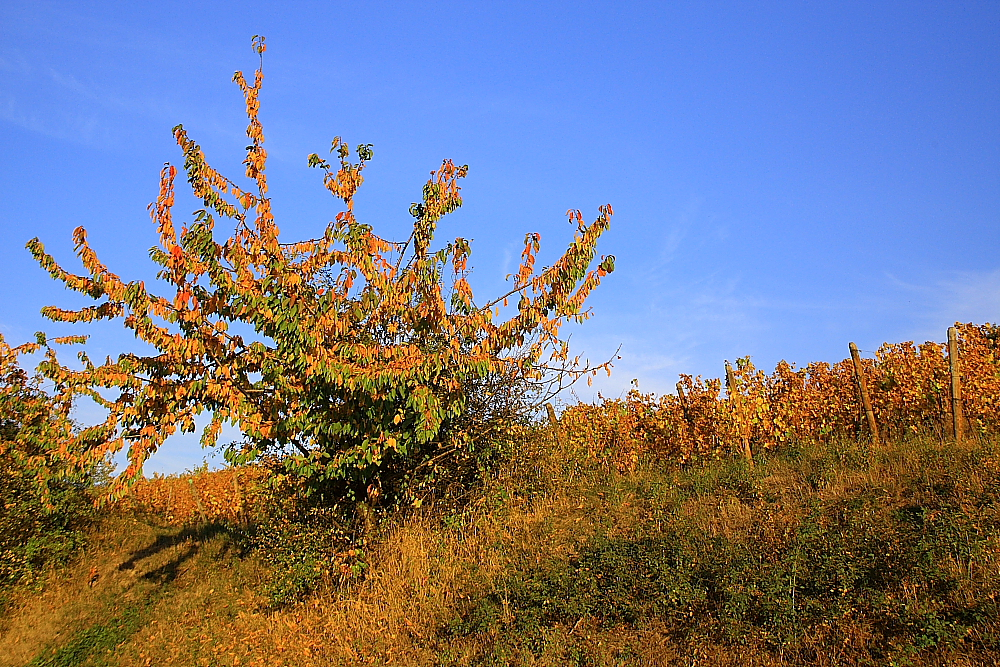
x: 192, y: 536
x: 165, y: 574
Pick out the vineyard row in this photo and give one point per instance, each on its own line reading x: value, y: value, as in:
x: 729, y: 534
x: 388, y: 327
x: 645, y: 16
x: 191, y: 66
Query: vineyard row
x: 909, y: 388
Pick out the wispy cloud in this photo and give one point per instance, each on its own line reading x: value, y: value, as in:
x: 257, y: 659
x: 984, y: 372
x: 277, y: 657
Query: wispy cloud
x: 960, y: 296
x: 72, y: 123
x: 70, y: 102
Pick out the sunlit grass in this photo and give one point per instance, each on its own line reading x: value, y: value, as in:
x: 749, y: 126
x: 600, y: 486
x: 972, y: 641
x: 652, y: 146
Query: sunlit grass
x: 820, y: 554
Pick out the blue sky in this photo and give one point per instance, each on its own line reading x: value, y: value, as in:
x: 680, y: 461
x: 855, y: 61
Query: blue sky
x: 786, y: 177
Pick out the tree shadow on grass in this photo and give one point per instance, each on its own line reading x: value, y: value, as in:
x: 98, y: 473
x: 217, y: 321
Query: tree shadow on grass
x: 192, y: 537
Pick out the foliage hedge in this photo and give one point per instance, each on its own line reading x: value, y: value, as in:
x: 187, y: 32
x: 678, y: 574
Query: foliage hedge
x: 40, y: 524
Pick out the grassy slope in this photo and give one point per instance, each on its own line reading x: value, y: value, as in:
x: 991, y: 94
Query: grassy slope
x: 821, y: 555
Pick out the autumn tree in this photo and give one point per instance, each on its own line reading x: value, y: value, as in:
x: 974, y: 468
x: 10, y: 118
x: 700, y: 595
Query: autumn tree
x: 340, y: 353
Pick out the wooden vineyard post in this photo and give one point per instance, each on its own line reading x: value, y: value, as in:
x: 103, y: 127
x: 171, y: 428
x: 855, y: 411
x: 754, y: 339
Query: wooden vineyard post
x: 238, y: 496
x: 732, y: 394
x: 957, y: 418
x: 859, y: 373
x: 197, y: 501
x: 683, y: 402
x: 554, y: 422
x: 730, y: 380
x: 552, y: 414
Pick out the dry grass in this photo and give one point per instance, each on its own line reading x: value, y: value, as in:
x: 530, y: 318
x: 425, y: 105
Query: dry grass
x: 429, y: 570
x: 127, y: 563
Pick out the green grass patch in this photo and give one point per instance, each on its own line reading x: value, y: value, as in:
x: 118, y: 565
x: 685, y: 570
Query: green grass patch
x: 94, y: 646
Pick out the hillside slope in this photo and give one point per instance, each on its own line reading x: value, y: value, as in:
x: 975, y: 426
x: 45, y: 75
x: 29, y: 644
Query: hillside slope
x: 818, y: 555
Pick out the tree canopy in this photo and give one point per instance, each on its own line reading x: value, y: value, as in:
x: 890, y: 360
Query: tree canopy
x: 337, y: 352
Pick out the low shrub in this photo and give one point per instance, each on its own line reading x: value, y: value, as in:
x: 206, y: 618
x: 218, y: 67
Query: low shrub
x: 880, y: 573
x: 34, y: 537
x: 45, y: 508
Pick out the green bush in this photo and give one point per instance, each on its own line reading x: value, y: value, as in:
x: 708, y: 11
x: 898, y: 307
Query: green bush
x: 34, y: 537
x: 803, y: 576
x: 44, y: 509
